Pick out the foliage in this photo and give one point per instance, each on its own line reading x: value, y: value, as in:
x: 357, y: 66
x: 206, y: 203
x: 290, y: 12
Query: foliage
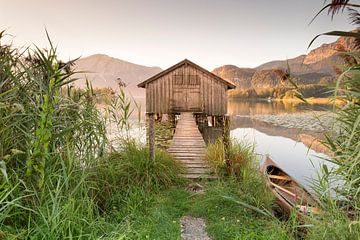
x: 241, y: 156
x: 121, y: 172
x: 282, y: 92
x: 225, y: 219
x: 57, y: 179
x: 215, y: 155
x: 333, y: 225
x: 164, y: 132
x: 346, y: 144
x: 338, y: 188
x: 242, y: 167
x: 120, y: 111
x: 104, y: 95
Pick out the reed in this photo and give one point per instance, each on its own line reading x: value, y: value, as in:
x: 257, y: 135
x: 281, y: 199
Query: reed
x: 243, y: 169
x: 338, y: 188
x: 57, y: 178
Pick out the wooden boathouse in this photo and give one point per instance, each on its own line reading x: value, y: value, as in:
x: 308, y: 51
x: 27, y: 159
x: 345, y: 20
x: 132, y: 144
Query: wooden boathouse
x: 195, y: 95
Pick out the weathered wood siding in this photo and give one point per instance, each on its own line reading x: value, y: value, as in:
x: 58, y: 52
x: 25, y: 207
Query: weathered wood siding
x: 164, y: 95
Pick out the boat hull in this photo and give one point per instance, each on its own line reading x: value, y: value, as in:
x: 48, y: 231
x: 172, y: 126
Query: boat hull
x: 289, y: 195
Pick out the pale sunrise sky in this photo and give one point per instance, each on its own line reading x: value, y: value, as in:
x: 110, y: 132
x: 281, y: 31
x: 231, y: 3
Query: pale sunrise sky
x: 163, y: 32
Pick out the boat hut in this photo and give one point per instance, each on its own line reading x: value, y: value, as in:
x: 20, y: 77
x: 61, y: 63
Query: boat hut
x: 185, y: 88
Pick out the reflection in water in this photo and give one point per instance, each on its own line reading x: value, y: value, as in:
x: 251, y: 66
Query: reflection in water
x: 280, y: 142
x: 293, y: 157
x: 261, y: 107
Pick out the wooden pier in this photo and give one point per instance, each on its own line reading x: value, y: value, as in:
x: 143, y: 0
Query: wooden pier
x: 188, y: 148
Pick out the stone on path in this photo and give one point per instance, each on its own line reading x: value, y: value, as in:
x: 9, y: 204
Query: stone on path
x: 193, y: 229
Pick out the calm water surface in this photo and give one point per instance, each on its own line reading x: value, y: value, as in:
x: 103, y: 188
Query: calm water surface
x: 278, y: 142
x: 263, y: 106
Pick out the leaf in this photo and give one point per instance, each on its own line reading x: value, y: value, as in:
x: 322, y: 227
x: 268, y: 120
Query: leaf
x: 16, y: 152
x: 330, y: 5
x: 336, y: 33
x: 325, y: 168
x: 264, y: 212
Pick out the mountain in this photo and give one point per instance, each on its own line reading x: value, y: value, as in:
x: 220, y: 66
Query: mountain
x: 314, y: 68
x: 108, y: 72
x: 321, y: 59
x: 241, y: 77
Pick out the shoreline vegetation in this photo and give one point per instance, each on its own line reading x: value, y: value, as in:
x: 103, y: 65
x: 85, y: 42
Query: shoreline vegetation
x: 280, y: 92
x: 309, y: 100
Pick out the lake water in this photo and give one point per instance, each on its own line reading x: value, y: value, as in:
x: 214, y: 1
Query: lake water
x: 274, y: 129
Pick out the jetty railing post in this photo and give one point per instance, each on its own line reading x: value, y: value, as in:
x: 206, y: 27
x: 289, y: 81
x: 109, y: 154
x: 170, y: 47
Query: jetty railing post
x: 226, y: 140
x: 151, y: 136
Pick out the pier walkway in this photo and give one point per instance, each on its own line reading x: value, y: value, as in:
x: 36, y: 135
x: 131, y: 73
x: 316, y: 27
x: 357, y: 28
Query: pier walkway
x: 188, y: 148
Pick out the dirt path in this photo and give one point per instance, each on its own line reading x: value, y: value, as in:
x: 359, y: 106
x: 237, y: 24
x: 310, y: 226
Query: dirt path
x: 193, y: 229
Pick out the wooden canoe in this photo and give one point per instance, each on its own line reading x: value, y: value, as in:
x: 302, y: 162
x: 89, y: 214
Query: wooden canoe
x: 289, y: 194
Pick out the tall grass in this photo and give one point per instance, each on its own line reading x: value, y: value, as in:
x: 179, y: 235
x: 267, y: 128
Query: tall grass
x: 338, y: 188
x: 46, y: 140
x: 120, y: 173
x: 346, y: 144
x: 241, y: 156
x: 341, y: 202
x: 57, y: 178
x: 242, y: 168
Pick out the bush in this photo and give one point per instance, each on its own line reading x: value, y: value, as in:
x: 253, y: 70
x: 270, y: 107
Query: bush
x: 215, y: 155
x: 128, y: 169
x: 241, y: 156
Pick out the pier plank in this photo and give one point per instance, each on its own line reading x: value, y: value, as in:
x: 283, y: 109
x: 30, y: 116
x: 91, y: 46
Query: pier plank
x: 188, y: 148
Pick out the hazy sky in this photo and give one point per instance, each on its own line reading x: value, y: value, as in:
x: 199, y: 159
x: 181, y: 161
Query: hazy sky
x: 162, y: 32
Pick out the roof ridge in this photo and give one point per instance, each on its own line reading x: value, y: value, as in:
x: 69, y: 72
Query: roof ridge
x: 156, y: 76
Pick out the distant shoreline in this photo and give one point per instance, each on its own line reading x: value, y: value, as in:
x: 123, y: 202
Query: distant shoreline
x: 310, y: 100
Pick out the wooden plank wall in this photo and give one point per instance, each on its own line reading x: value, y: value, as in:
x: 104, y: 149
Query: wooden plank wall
x: 213, y: 92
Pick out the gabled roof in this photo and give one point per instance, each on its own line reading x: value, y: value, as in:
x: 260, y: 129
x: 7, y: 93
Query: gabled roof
x: 183, y: 62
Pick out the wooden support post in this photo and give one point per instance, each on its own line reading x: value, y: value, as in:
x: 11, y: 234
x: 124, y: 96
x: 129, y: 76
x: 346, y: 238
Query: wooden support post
x: 152, y: 136
x: 212, y: 121
x: 226, y: 140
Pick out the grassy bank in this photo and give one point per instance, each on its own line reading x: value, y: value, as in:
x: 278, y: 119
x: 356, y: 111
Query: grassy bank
x: 61, y: 180
x: 225, y: 217
x: 235, y: 206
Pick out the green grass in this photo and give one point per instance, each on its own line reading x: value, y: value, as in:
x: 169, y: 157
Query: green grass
x: 130, y: 173
x: 235, y: 206
x: 59, y: 180
x: 225, y: 218
x: 335, y: 225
